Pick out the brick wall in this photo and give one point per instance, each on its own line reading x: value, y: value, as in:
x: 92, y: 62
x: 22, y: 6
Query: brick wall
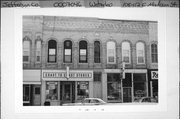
x: 89, y: 30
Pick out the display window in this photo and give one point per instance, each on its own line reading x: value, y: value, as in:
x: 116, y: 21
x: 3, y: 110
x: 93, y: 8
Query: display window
x: 26, y: 93
x: 113, y: 87
x: 51, y: 90
x: 82, y: 90
x: 140, y: 87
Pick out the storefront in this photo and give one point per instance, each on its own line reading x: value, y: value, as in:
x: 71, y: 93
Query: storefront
x: 61, y: 87
x: 134, y: 86
x: 31, y: 88
x: 153, y: 82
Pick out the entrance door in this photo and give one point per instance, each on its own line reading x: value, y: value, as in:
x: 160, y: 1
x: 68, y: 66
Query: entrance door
x: 66, y: 92
x: 36, y: 95
x: 127, y: 94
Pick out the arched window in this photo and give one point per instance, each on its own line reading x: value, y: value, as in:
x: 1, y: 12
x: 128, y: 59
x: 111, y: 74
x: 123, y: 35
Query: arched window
x: 26, y: 50
x: 67, y: 51
x: 38, y: 51
x: 96, y: 52
x: 83, y: 53
x: 140, y: 53
x: 111, y: 52
x: 126, y: 52
x: 52, y: 51
x: 154, y: 53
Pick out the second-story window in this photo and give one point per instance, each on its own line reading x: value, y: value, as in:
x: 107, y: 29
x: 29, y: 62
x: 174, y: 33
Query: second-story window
x: 111, y: 52
x: 140, y: 53
x: 67, y: 51
x: 38, y: 51
x: 154, y: 53
x: 52, y: 51
x: 26, y: 50
x: 83, y: 53
x: 126, y: 52
x: 96, y: 52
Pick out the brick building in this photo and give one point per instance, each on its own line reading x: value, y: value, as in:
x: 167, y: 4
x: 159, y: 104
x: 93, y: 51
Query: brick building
x: 66, y: 59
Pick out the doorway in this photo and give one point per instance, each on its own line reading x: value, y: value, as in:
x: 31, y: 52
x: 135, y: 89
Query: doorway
x: 67, y: 92
x: 36, y: 95
x: 127, y: 94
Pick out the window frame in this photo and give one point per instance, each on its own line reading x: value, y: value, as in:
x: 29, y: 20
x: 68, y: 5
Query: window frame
x: 137, y: 55
x: 129, y: 54
x: 97, y: 55
x: 26, y: 39
x: 155, y: 53
x: 64, y: 50
x: 114, y: 51
x: 55, y: 48
x: 80, y: 49
x: 40, y: 50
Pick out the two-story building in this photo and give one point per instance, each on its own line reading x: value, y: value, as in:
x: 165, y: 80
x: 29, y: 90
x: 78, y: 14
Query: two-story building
x: 66, y: 59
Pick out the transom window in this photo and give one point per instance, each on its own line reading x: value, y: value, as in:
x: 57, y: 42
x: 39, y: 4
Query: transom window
x: 38, y: 51
x: 67, y: 51
x: 52, y: 51
x: 83, y: 52
x: 140, y: 53
x: 154, y: 53
x: 96, y: 52
x: 26, y: 50
x: 126, y: 52
x: 111, y: 52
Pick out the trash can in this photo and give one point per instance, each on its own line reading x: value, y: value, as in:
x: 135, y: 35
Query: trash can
x: 46, y: 103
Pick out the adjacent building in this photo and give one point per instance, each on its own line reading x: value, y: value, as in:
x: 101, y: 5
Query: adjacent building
x: 66, y: 59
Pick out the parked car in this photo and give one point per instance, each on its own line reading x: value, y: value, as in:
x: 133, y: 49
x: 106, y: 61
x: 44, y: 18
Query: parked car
x: 87, y: 102
x: 146, y: 100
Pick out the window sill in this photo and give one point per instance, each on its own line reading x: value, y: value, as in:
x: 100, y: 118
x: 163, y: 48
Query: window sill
x: 51, y: 63
x: 83, y: 63
x: 67, y: 63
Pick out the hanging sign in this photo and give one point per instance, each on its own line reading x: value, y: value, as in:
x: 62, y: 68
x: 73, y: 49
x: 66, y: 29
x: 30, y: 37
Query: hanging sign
x: 154, y: 74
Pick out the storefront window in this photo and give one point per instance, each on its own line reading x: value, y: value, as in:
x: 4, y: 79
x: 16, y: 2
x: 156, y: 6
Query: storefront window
x: 82, y: 90
x: 51, y: 90
x: 26, y: 93
x: 140, y: 89
x: 114, y: 87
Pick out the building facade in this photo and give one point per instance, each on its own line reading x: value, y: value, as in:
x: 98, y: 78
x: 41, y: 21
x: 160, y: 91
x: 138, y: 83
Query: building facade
x: 66, y: 59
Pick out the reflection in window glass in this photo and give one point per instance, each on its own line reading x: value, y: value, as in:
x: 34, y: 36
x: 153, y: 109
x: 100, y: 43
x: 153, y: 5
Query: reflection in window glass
x: 114, y: 87
x: 82, y: 90
x: 51, y: 90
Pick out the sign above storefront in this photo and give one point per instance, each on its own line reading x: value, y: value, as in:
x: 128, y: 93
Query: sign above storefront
x: 154, y: 74
x: 62, y: 75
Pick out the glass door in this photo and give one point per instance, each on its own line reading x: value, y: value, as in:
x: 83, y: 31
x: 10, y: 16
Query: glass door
x: 127, y: 94
x: 66, y: 92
